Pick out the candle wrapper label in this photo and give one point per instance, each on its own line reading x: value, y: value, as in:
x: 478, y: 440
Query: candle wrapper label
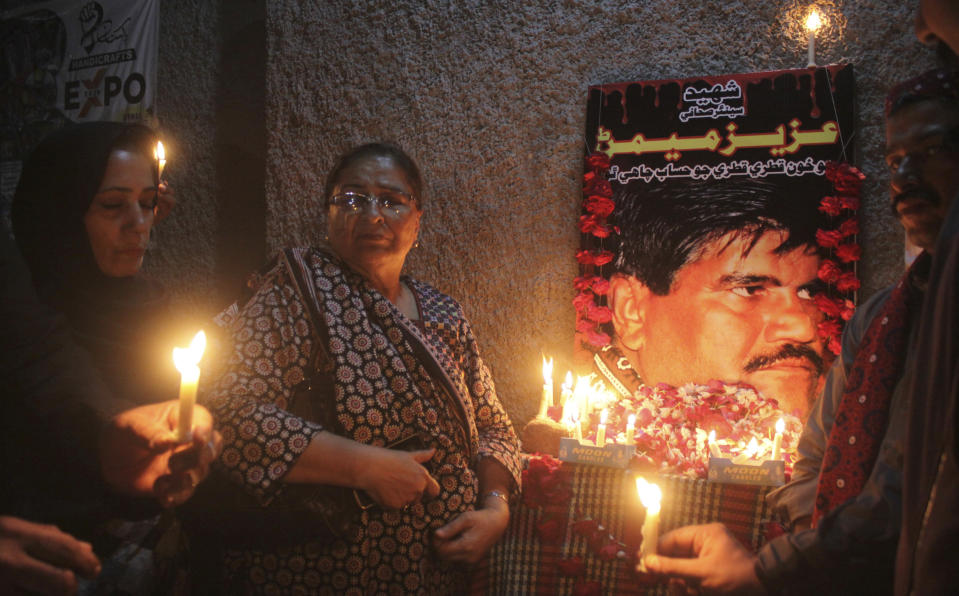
x: 767, y: 473
x: 610, y: 456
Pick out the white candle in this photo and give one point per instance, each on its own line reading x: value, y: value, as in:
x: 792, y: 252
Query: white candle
x: 601, y: 429
x: 577, y: 428
x: 713, y: 447
x: 630, y: 429
x: 186, y: 361
x: 160, y: 154
x: 813, y: 23
x: 651, y: 497
x: 567, y: 389
x: 751, y: 449
x: 778, y: 440
x: 547, y: 399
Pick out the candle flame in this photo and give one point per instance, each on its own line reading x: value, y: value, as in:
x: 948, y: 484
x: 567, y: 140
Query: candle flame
x: 603, y: 416
x: 813, y: 21
x: 780, y: 426
x: 631, y: 421
x: 752, y: 448
x: 547, y: 371
x: 159, y: 152
x: 568, y: 383
x: 712, y: 436
x: 649, y: 495
x: 186, y: 359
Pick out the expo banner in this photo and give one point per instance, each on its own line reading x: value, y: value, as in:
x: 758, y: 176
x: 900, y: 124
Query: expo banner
x: 68, y: 61
x: 719, y: 230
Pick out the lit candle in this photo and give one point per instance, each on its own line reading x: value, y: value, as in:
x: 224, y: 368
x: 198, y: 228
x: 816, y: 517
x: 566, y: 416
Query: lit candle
x: 580, y: 399
x: 160, y: 155
x: 186, y: 361
x: 650, y: 496
x: 713, y: 447
x: 813, y: 22
x: 601, y: 429
x: 567, y: 389
x: 547, y: 399
x: 577, y: 429
x: 751, y: 449
x: 778, y: 439
x: 630, y: 429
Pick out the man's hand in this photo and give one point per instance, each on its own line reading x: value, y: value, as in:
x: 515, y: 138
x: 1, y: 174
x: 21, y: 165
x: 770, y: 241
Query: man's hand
x: 140, y: 456
x: 471, y: 534
x: 40, y: 559
x: 710, y: 559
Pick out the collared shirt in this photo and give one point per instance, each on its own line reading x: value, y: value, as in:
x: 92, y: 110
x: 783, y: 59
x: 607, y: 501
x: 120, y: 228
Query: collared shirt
x: 857, y: 540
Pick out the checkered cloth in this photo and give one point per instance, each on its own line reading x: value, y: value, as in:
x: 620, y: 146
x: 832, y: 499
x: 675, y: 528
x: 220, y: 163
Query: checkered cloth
x: 521, y: 564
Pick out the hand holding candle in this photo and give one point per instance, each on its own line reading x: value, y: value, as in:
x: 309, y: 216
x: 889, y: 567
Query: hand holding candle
x: 651, y: 497
x: 186, y: 361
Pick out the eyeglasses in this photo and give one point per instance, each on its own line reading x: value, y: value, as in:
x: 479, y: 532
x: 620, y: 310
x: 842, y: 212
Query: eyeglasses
x: 391, y: 203
x: 947, y: 143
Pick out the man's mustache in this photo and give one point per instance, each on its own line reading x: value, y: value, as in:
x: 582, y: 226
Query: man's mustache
x: 925, y: 194
x: 785, y: 353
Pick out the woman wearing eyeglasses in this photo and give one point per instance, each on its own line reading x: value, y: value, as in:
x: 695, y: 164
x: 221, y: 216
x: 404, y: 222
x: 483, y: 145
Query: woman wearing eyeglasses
x: 338, y: 357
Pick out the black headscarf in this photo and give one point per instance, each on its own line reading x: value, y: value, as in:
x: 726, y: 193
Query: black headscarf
x: 116, y: 319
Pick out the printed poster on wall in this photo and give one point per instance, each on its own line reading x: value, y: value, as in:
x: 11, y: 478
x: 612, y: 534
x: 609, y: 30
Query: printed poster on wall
x: 719, y: 231
x: 68, y: 61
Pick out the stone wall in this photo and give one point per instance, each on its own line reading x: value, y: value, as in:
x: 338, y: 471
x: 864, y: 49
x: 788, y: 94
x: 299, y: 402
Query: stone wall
x: 489, y: 97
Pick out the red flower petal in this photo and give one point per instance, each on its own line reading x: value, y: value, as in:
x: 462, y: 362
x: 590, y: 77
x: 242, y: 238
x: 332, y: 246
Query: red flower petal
x: 600, y: 286
x: 830, y: 206
x: 599, y: 314
x: 602, y: 257
x: 597, y: 338
x: 848, y: 252
x: 829, y: 272
x: 847, y: 282
x: 828, y: 238
x: 849, y: 227
x: 599, y: 205
x: 598, y: 161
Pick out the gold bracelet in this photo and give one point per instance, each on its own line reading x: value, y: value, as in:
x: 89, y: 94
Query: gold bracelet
x: 498, y: 494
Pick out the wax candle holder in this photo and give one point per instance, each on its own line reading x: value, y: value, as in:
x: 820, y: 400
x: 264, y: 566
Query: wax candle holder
x: 765, y: 473
x: 610, y: 455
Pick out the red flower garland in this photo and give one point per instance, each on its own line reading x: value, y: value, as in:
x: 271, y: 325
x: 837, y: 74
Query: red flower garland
x: 591, y: 285
x: 840, y: 277
x: 547, y: 485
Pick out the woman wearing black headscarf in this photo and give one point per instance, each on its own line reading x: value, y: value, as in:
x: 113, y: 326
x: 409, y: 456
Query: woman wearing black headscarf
x: 82, y: 217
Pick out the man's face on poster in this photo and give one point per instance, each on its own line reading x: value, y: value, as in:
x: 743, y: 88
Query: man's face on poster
x: 735, y: 314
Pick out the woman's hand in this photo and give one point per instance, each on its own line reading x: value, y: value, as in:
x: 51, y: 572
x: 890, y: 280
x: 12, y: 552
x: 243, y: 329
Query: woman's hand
x: 396, y: 479
x: 471, y: 534
x: 140, y: 455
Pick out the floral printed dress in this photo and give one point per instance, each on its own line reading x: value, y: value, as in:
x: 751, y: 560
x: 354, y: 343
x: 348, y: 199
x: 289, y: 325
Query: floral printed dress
x: 381, y: 378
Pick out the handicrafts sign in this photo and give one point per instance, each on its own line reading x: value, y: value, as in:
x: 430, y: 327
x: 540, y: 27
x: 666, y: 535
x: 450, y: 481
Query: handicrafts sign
x: 719, y: 230
x: 68, y: 61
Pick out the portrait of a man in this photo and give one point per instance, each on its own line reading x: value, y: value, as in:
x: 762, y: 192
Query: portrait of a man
x: 714, y: 280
